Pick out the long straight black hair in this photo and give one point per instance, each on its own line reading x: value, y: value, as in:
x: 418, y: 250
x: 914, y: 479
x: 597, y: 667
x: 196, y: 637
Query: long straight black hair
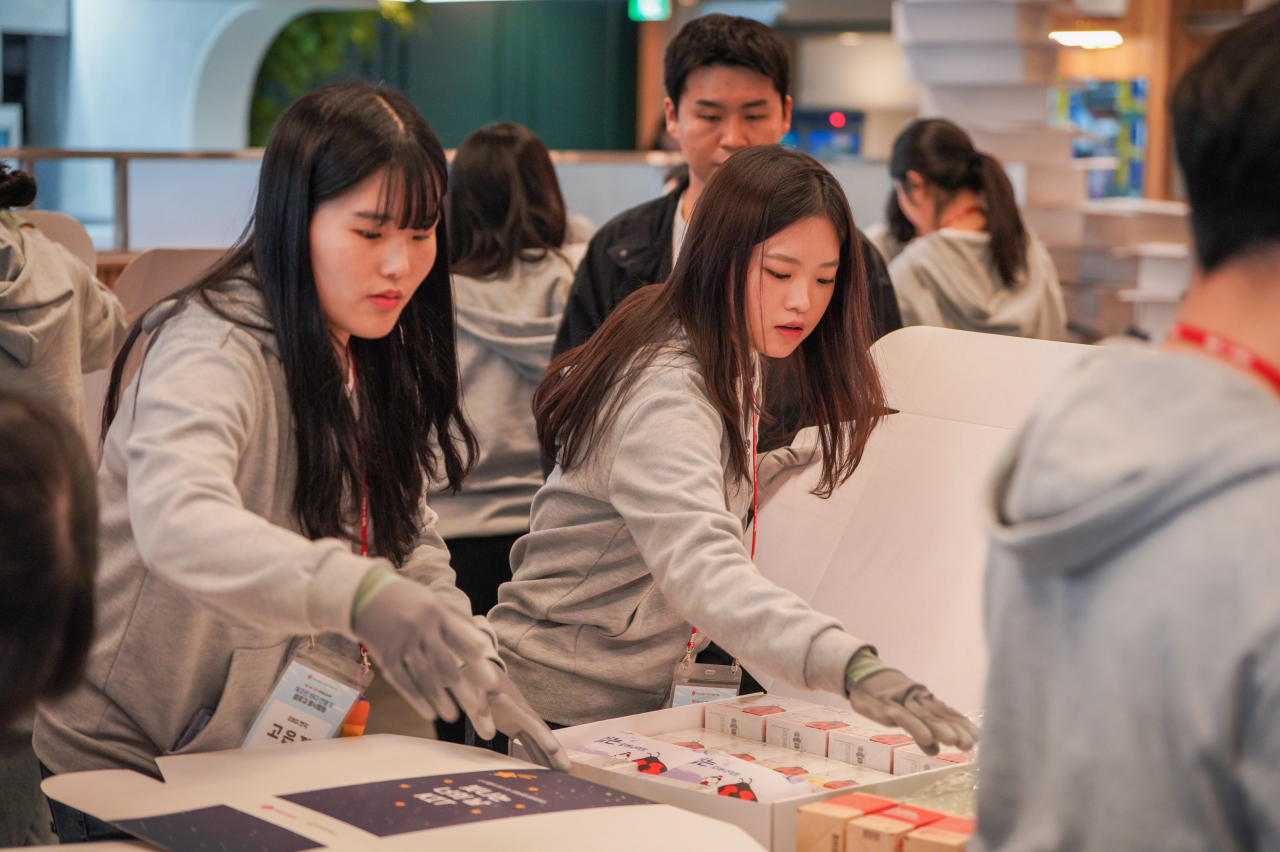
x: 943, y: 154
x: 754, y: 195
x: 504, y: 201
x: 324, y: 145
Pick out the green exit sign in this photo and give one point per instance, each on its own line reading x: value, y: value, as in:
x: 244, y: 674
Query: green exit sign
x: 649, y: 10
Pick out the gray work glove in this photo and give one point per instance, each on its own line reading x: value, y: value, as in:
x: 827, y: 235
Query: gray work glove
x: 772, y: 465
x: 514, y: 717
x: 434, y: 655
x: 891, y: 698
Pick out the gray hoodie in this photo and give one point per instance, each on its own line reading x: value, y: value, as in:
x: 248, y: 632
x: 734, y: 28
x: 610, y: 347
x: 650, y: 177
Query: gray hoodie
x: 205, y: 583
x: 948, y: 279
x: 57, y: 321
x: 506, y: 328
x: 1133, y: 611
x: 630, y: 549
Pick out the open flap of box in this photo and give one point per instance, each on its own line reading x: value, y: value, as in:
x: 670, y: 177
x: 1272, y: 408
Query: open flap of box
x: 898, y: 552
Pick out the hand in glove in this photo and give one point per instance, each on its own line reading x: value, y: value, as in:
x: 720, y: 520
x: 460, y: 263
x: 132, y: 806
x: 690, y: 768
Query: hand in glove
x: 891, y: 698
x: 433, y: 655
x: 514, y: 717
x: 773, y: 464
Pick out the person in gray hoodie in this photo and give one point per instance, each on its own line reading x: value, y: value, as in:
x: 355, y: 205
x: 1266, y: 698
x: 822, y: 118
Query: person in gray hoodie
x: 637, y: 537
x: 48, y: 558
x: 1133, y: 587
x: 263, y: 476
x: 57, y: 321
x: 512, y: 269
x: 960, y: 255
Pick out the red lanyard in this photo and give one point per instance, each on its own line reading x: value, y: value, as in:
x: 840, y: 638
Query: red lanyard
x: 364, y: 511
x: 364, y: 493
x: 1230, y: 350
x: 963, y: 213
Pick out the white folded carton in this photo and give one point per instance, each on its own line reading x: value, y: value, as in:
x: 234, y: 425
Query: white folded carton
x: 745, y: 717
x: 911, y: 759
x: 806, y: 730
x: 867, y: 744
x: 970, y: 23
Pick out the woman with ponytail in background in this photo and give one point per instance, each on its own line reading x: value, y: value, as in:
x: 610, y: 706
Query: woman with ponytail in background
x: 959, y: 254
x: 57, y: 321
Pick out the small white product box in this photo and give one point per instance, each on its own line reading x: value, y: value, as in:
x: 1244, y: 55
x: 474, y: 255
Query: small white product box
x: 825, y: 772
x: 910, y: 759
x: 746, y: 716
x: 868, y: 744
x: 806, y: 730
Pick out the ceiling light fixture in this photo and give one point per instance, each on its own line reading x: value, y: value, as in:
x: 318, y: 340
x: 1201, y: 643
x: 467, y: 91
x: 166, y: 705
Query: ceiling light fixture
x: 1088, y: 39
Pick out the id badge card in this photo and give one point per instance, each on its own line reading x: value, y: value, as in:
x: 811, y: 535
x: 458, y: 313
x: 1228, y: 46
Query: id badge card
x: 313, y: 696
x: 698, y: 683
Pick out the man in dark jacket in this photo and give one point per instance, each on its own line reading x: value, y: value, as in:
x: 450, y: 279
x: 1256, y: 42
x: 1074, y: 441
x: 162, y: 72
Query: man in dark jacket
x: 727, y: 81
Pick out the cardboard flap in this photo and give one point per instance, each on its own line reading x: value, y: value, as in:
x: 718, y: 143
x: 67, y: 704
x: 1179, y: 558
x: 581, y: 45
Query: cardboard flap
x: 898, y: 552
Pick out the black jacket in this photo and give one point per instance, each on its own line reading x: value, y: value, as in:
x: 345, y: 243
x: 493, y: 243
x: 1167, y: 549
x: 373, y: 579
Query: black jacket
x: 633, y: 249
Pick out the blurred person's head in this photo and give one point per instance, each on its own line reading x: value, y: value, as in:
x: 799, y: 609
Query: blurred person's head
x: 346, y: 248
x: 504, y: 201
x: 727, y: 80
x: 934, y: 164
x: 1226, y: 129
x: 17, y: 188
x: 48, y: 554
x: 771, y: 266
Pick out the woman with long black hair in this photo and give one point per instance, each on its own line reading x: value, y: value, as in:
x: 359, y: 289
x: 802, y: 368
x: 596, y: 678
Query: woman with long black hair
x: 263, y: 474
x: 637, y: 536
x: 960, y: 255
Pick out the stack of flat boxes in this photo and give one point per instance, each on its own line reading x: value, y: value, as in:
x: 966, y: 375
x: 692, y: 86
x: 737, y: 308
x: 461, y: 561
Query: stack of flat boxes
x: 987, y: 65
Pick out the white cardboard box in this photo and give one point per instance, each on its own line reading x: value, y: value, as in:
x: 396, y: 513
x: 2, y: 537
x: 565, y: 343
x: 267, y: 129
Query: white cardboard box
x: 911, y: 517
x: 987, y: 23
x: 868, y: 745
x: 254, y: 782
x: 910, y: 760
x: 807, y: 730
x: 745, y: 716
x: 983, y: 65
x: 968, y: 104
x: 772, y: 825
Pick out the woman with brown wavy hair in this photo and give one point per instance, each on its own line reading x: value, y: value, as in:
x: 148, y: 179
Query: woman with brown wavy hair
x: 637, y: 536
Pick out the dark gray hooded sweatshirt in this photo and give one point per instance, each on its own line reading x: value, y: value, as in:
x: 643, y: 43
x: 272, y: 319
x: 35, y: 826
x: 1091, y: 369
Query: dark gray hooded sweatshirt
x: 1133, y: 611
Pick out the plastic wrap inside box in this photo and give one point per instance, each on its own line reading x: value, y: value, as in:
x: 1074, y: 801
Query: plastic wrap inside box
x: 926, y: 22
x: 972, y: 65
x: 773, y: 825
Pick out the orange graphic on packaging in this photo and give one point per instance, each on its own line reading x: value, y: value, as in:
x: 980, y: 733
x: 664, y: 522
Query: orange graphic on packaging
x: 767, y: 710
x: 827, y: 726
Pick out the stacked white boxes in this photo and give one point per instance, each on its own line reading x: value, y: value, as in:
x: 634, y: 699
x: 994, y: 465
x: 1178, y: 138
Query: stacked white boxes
x: 987, y: 65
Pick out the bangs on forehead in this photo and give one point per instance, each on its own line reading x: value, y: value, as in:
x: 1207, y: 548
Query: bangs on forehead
x: 410, y: 194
